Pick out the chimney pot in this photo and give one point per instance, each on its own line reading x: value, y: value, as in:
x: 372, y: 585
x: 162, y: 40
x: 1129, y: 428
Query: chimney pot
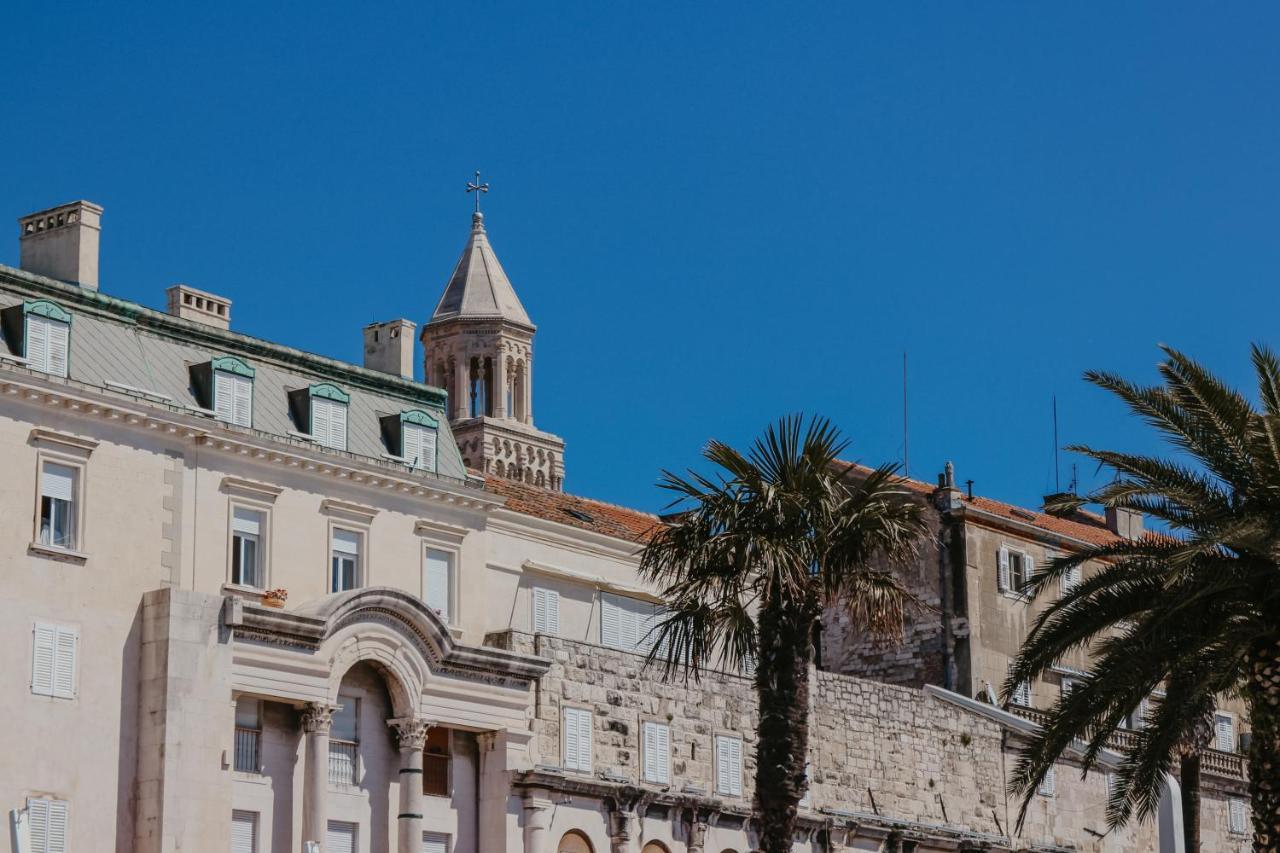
x: 62, y: 243
x: 388, y: 347
x: 191, y: 304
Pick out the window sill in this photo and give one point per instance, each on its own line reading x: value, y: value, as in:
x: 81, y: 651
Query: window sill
x: 240, y: 590
x: 65, y: 555
x: 250, y: 778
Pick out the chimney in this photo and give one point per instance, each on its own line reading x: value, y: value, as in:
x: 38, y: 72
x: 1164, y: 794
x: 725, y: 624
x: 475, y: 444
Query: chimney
x: 388, y: 347
x: 947, y: 496
x: 191, y: 304
x: 62, y: 243
x: 1126, y: 523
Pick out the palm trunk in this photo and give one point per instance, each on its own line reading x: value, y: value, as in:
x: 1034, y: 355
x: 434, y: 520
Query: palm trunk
x: 1190, y: 773
x: 782, y: 683
x: 1262, y: 690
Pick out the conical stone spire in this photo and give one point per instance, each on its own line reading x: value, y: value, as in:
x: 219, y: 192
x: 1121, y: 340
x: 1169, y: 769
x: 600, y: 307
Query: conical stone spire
x: 479, y: 287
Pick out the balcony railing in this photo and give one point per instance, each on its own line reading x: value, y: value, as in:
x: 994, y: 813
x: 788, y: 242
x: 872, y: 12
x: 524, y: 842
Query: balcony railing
x: 342, y: 762
x: 248, y: 742
x: 1229, y: 764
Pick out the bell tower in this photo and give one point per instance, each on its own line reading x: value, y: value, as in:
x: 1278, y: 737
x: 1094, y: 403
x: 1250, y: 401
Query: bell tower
x: 478, y: 346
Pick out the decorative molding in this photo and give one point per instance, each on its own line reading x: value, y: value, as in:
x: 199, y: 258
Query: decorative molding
x: 599, y: 582
x: 46, y: 308
x: 419, y: 417
x: 317, y: 717
x: 329, y: 391
x: 439, y: 530
x: 251, y: 488
x: 411, y: 732
x: 231, y: 364
x: 64, y: 555
x: 63, y: 441
x: 352, y: 511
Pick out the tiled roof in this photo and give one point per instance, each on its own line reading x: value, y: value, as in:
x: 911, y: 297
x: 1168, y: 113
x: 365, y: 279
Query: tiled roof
x: 597, y: 516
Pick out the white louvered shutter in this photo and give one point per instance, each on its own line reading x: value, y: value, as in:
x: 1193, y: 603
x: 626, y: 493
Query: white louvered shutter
x: 38, y: 343
x: 1070, y: 579
x: 1002, y: 574
x: 1239, y: 820
x: 435, y: 842
x: 657, y: 753
x: 546, y: 611
x: 244, y: 832
x: 436, y: 582
x: 58, y: 481
x: 64, y: 663
x: 584, y: 741
x: 1049, y: 784
x: 224, y: 396
x: 1225, y: 740
x: 340, y: 837
x: 59, y: 339
x: 320, y: 420
x: 338, y: 427
x: 569, y: 736
x: 418, y: 446
x: 577, y: 739
x: 610, y: 622
x: 42, y: 659
x: 329, y: 423
x: 729, y: 766
x: 47, y: 822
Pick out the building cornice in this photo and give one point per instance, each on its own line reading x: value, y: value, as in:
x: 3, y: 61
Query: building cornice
x: 996, y: 521
x: 565, y: 536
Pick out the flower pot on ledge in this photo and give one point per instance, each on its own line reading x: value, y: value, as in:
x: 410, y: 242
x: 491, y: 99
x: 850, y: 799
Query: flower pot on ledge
x: 275, y: 598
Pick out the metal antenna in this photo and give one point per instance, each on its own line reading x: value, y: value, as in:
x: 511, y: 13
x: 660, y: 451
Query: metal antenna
x: 906, y: 454
x: 477, y: 188
x: 1057, y: 484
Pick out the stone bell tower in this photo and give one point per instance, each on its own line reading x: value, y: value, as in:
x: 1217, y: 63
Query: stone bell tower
x: 478, y: 346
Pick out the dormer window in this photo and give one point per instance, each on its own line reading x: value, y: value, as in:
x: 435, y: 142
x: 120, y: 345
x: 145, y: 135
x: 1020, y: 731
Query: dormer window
x: 225, y: 386
x: 39, y: 331
x: 321, y: 412
x: 412, y: 436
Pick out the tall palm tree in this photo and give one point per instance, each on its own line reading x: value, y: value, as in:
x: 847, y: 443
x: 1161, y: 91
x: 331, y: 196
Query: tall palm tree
x: 747, y: 564
x: 1195, y: 607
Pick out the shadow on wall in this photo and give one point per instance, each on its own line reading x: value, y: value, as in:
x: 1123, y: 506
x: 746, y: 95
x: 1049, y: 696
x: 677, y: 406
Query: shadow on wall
x: 127, y: 754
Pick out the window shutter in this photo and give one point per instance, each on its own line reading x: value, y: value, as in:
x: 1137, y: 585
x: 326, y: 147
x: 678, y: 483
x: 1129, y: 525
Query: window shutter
x: 428, y: 439
x: 418, y: 446
x: 244, y: 832
x: 1048, y: 785
x: 247, y: 521
x: 42, y: 659
x: 546, y: 611
x: 340, y: 837
x: 584, y: 741
x: 242, y: 392
x: 735, y: 767
x: 437, y: 582
x: 58, y: 340
x: 569, y: 734
x: 577, y: 739
x: 338, y: 426
x: 1070, y: 579
x: 663, y: 748
x: 1002, y: 575
x: 722, y: 765
x: 435, y: 842
x: 610, y: 622
x: 320, y: 420
x: 1239, y: 820
x: 224, y: 396
x: 64, y: 669
x: 47, y: 823
x: 38, y: 344
x: 346, y: 542
x: 729, y: 766
x: 1226, y: 740
x: 58, y: 481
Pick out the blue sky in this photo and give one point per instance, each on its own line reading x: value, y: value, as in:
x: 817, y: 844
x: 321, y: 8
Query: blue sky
x: 716, y: 214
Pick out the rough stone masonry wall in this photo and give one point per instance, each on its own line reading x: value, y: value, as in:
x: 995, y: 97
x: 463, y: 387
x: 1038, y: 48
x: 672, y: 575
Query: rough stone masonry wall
x: 924, y: 759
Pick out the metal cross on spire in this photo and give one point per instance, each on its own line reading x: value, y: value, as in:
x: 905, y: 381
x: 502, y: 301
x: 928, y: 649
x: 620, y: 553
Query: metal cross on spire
x: 477, y: 188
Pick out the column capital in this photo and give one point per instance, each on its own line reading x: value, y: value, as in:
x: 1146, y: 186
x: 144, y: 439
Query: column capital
x: 317, y: 717
x: 411, y: 732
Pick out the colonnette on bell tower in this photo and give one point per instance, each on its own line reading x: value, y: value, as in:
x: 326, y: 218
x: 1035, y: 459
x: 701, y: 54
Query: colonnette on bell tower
x: 478, y: 345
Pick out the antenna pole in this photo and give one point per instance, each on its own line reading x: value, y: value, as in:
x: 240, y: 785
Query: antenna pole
x: 906, y: 455
x: 1057, y: 479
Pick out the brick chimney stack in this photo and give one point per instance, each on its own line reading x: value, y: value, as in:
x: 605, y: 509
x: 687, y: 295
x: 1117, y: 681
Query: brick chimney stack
x: 62, y: 243
x: 388, y: 347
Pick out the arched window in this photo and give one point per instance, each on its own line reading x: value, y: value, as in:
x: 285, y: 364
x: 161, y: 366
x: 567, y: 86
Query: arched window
x: 655, y: 847
x: 574, y: 842
x: 521, y: 404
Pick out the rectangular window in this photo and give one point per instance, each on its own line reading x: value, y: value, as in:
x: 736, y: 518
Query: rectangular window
x: 1070, y: 579
x: 47, y: 823
x: 418, y: 446
x: 435, y: 762
x: 340, y: 837
x: 576, y: 746
x: 244, y: 832
x: 1239, y: 816
x: 437, y: 582
x: 435, y: 842
x: 729, y: 766
x: 233, y: 398
x: 656, y: 752
x: 58, y: 489
x: 247, y: 551
x: 53, y: 661
x: 546, y: 611
x: 628, y: 623
x: 344, y: 741
x: 1022, y: 695
x: 1224, y: 733
x: 329, y: 422
x: 1048, y: 785
x: 1014, y: 570
x: 248, y: 736
x: 1068, y: 684
x: 46, y: 343
x: 345, y: 564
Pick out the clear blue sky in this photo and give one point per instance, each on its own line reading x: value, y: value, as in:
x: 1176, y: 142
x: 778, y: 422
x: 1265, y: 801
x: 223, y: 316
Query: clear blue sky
x: 715, y: 214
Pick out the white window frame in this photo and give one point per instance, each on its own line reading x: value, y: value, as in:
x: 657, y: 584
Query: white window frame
x: 1237, y: 816
x: 1004, y: 570
x: 71, y: 452
x: 57, y: 649
x: 361, y: 556
x: 232, y: 410
x: 655, y: 752
x: 1218, y: 718
x: 263, y: 540
x: 46, y: 362
x: 545, y: 610
x: 576, y: 721
x: 728, y: 768
x: 357, y: 775
x: 327, y: 438
x: 430, y: 559
x: 41, y: 812
x: 437, y: 536
x: 1071, y: 579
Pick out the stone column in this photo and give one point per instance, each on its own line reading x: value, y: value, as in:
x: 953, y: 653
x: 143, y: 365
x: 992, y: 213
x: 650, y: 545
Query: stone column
x: 537, y: 821
x: 528, y: 389
x: 500, y: 384
x: 624, y: 823
x: 411, y: 733
x: 461, y: 387
x: 317, y: 717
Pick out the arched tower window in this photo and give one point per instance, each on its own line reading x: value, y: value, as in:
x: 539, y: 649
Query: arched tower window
x: 574, y: 842
x: 519, y: 393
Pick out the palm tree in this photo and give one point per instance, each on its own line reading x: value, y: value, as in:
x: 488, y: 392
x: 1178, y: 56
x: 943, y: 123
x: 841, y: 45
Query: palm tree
x: 747, y: 565
x: 1195, y: 607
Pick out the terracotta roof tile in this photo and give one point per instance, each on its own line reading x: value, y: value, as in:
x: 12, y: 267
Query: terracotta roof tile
x: 585, y: 513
